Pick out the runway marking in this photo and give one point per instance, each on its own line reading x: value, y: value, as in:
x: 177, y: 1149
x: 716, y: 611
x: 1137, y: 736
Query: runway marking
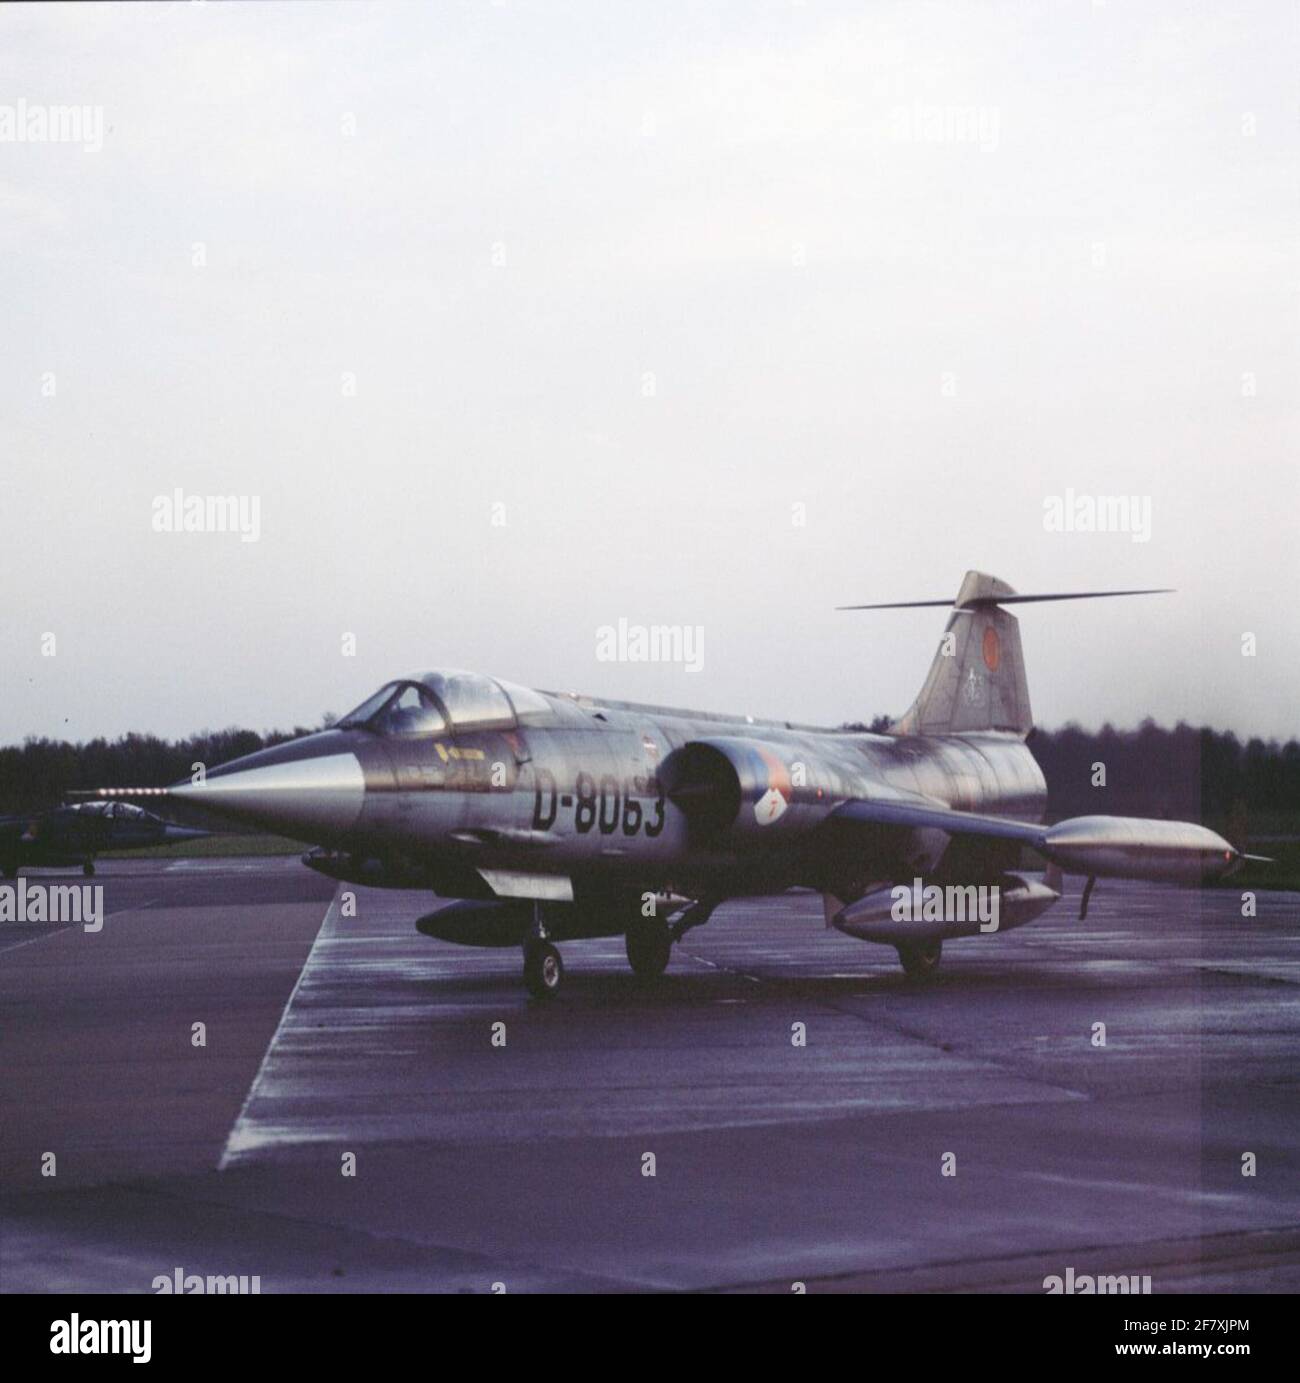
x: 1146, y: 1189
x: 402, y: 1061
x: 233, y: 1144
x: 32, y: 940
x: 718, y: 965
x: 69, y: 926
x: 222, y: 865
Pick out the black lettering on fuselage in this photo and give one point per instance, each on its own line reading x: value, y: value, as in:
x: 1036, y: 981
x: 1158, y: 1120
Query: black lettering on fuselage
x: 606, y: 805
x: 544, y: 792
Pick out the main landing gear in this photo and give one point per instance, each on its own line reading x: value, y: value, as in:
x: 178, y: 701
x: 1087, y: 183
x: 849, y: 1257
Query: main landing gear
x: 650, y: 940
x: 543, y: 968
x: 920, y: 960
x: 649, y: 945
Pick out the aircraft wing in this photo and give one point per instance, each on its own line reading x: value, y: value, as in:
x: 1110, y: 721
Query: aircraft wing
x: 1121, y: 847
x: 917, y: 814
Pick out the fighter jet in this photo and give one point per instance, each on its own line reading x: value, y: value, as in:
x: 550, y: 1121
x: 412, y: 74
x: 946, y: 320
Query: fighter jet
x: 554, y: 816
x: 76, y: 834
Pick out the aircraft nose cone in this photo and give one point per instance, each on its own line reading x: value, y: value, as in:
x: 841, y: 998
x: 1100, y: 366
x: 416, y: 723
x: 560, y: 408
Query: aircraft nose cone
x: 311, y: 789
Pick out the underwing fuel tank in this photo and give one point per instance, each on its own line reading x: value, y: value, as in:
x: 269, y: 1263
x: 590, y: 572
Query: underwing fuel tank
x: 933, y: 911
x: 508, y: 922
x: 1133, y: 848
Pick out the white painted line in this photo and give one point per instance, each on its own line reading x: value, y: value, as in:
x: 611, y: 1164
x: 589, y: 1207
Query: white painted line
x: 44, y: 936
x: 70, y: 926
x: 230, y: 1149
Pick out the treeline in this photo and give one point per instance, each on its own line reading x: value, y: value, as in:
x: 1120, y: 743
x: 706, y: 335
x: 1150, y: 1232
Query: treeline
x: 40, y: 773
x: 1186, y: 772
x: 1189, y: 773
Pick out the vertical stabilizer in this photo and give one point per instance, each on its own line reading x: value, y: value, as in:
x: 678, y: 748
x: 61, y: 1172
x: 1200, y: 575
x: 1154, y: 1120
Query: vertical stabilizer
x: 977, y: 680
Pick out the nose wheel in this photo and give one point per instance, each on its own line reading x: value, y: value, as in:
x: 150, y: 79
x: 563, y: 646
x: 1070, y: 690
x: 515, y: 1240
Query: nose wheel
x: 543, y: 968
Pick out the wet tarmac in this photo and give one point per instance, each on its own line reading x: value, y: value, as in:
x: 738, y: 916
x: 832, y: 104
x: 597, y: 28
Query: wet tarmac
x: 373, y: 1110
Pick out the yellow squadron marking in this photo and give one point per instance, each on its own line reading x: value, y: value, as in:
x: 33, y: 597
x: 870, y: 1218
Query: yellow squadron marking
x: 447, y: 754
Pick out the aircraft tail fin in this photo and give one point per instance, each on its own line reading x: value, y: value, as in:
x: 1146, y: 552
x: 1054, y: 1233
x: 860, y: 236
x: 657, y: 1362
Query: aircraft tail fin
x: 977, y: 680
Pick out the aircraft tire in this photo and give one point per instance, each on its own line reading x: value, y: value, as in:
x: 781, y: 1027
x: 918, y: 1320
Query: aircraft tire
x: 920, y: 960
x: 543, y: 968
x: 649, y: 946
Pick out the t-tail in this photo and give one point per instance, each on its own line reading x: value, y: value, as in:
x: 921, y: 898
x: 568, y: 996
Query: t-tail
x: 977, y: 680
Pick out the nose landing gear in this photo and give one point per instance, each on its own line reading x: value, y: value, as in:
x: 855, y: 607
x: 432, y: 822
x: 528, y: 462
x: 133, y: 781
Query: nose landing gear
x: 649, y: 940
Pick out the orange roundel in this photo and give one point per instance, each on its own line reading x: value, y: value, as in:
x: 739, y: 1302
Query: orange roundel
x: 992, y: 649
x: 778, y: 776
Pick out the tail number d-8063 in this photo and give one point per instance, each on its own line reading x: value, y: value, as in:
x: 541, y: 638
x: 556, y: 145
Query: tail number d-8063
x: 604, y: 805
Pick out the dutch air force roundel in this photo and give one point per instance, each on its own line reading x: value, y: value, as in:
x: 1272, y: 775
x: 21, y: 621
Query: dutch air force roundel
x: 992, y: 648
x: 776, y: 799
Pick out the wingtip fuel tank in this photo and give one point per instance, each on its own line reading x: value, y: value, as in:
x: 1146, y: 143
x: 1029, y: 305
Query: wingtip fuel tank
x: 1135, y: 848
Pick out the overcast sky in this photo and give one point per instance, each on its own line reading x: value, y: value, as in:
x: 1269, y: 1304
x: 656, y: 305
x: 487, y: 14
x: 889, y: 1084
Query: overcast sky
x: 657, y: 281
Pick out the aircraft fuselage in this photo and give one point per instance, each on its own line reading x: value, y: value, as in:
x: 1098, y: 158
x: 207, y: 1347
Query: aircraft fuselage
x: 615, y: 797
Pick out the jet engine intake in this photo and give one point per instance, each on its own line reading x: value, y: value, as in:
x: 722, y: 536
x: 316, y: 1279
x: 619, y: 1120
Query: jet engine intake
x: 741, y: 789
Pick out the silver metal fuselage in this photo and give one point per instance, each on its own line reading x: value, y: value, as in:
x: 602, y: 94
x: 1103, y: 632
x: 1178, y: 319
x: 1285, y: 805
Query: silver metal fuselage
x: 607, y: 795
x: 561, y: 817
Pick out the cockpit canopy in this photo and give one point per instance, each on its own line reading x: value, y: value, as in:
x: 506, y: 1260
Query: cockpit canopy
x: 117, y: 811
x: 436, y: 703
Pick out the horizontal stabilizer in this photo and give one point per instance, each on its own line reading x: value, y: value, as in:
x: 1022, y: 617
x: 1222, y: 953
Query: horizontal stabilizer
x: 977, y: 678
x: 981, y: 602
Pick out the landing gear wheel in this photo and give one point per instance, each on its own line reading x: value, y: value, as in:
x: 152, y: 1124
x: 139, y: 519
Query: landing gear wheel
x: 543, y: 969
x: 88, y: 868
x: 921, y: 959
x: 649, y: 945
